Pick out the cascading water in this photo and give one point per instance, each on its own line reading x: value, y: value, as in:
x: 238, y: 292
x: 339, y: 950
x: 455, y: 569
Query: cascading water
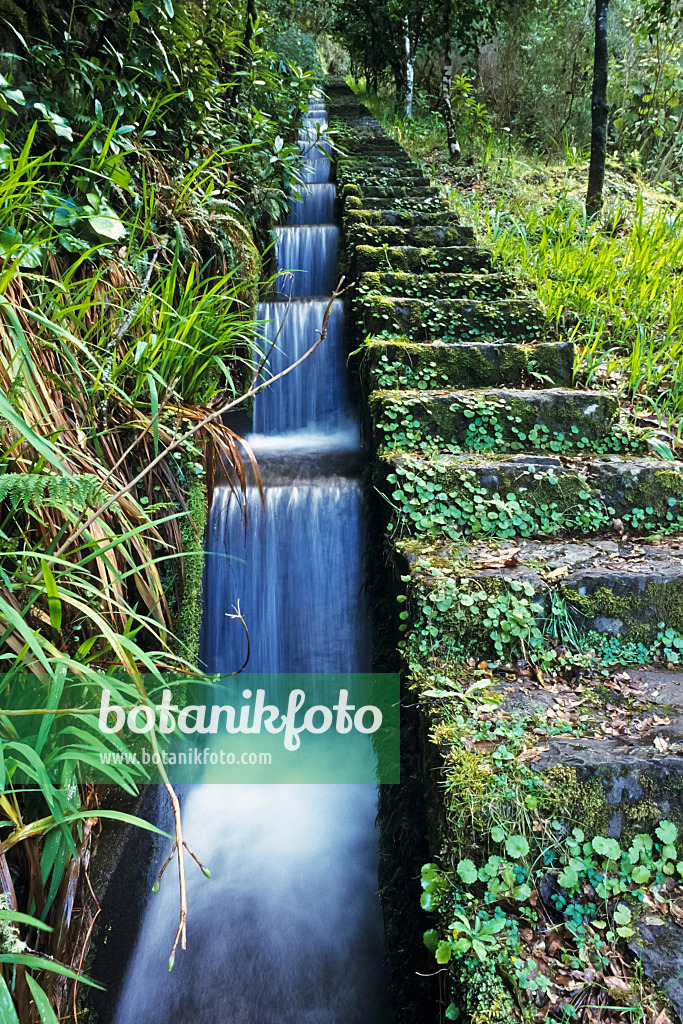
x: 312, y: 248
x: 289, y: 929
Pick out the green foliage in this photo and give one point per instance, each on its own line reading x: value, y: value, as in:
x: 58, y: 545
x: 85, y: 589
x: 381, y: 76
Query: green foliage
x: 140, y: 146
x: 619, y: 280
x: 594, y: 879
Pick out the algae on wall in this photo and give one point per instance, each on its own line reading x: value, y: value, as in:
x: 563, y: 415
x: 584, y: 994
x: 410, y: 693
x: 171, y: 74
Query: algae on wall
x: 189, y: 615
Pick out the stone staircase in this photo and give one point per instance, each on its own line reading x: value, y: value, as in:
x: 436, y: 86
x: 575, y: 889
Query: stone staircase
x: 528, y: 524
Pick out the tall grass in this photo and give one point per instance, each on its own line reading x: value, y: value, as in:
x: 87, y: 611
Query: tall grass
x: 621, y: 281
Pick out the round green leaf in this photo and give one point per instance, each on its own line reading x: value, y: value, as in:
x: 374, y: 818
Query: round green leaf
x: 467, y: 871
x: 516, y: 846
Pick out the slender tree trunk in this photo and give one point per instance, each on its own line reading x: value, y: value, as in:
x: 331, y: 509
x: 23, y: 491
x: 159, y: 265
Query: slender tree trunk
x: 243, y: 56
x: 600, y: 112
x: 410, y: 70
x: 446, y: 81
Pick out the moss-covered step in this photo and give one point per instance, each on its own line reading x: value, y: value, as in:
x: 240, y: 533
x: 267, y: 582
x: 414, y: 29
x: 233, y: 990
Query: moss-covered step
x: 388, y: 364
x: 421, y: 259
x: 388, y: 167
x: 421, y: 236
x: 389, y: 191
x: 380, y: 173
x: 442, y: 286
x: 454, y: 319
x: 400, y: 218
x: 571, y: 590
x: 555, y: 419
x: 532, y: 495
x: 372, y: 149
x: 407, y: 204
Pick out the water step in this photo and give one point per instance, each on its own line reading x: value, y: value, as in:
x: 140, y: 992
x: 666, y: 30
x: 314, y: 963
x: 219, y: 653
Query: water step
x: 445, y: 286
x: 534, y: 495
x: 492, y: 419
x: 454, y: 319
x: 598, y: 586
x: 399, y: 363
x: 429, y: 235
x: 421, y: 259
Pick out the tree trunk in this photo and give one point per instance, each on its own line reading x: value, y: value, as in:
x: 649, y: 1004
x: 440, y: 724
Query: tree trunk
x: 600, y: 112
x: 410, y: 69
x: 243, y: 55
x: 446, y: 81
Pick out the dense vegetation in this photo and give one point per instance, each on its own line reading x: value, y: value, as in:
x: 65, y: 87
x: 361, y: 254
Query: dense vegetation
x: 146, y: 150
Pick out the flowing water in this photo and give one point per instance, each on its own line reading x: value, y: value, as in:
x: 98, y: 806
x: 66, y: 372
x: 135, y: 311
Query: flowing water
x: 289, y: 928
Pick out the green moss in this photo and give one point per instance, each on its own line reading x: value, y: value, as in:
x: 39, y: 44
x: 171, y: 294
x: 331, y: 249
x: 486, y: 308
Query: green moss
x: 497, y: 420
x: 246, y: 257
x: 570, y: 798
x: 421, y: 237
x: 192, y: 533
x: 357, y: 216
x: 413, y: 259
x: 400, y: 362
x: 436, y: 285
x: 640, y: 612
x: 454, y: 320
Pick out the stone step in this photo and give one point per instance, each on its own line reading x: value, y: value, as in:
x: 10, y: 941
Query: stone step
x: 454, y: 320
x: 495, y: 419
x: 445, y: 286
x: 534, y: 495
x: 422, y: 237
x: 408, y: 204
x: 365, y: 150
x: 385, y: 178
x: 357, y: 173
x: 399, y: 363
x: 362, y: 171
x: 401, y: 218
x: 421, y: 259
x: 386, y: 156
x: 389, y: 192
x: 578, y: 588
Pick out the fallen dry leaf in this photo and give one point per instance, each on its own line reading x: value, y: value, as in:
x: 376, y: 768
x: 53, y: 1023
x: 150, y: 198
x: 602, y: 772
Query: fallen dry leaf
x: 556, y: 574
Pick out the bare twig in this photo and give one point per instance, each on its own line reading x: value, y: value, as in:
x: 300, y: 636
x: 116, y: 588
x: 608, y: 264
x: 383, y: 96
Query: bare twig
x: 237, y: 614
x: 122, y: 328
x: 86, y: 941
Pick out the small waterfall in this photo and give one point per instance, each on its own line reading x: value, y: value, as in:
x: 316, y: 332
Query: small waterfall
x: 314, y: 395
x: 287, y: 930
x: 314, y: 150
x: 317, y: 170
x: 297, y: 576
x: 310, y: 250
x: 316, y: 205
